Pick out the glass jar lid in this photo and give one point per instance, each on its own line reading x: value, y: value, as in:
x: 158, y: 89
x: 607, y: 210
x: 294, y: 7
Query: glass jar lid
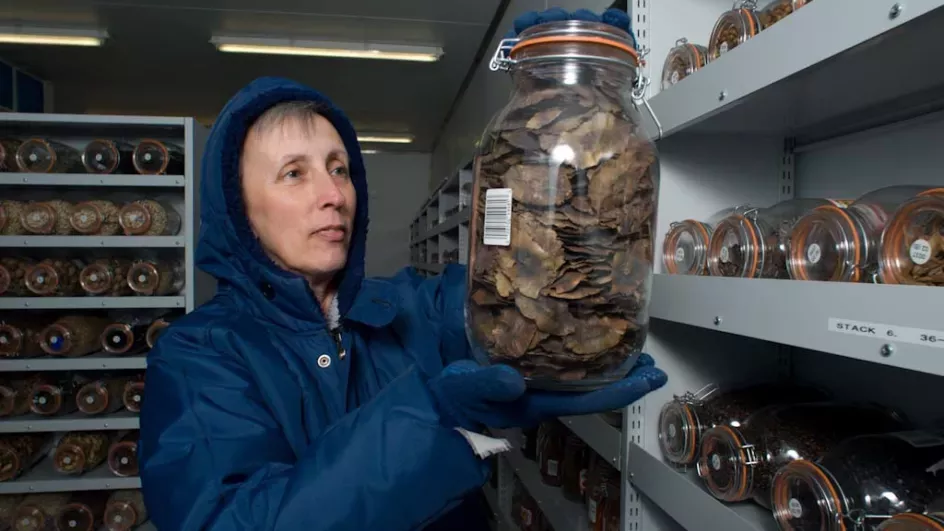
x: 725, y: 464
x: 101, y: 156
x: 133, y: 395
x: 827, y: 244
x: 42, y: 279
x: 151, y: 157
x: 682, y: 61
x: 912, y: 250
x: 678, y: 431
x: 96, y: 278
x: 69, y: 458
x: 86, y: 218
x: 47, y: 399
x: 38, y: 217
x: 804, y: 497
x: 143, y: 277
x: 123, y: 458
x: 36, y: 156
x: 686, y: 248
x: 914, y: 522
x: 569, y: 39
x: 117, y: 338
x: 75, y: 517
x: 733, y: 28
x: 120, y: 516
x: 7, y: 400
x: 135, y: 218
x: 92, y: 398
x: 55, y: 339
x: 11, y: 340
x: 734, y: 249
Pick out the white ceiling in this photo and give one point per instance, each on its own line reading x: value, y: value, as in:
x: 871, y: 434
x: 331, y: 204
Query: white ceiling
x: 158, y: 59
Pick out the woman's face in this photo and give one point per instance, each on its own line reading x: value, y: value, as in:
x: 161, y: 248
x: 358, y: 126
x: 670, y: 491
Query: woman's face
x: 298, y: 193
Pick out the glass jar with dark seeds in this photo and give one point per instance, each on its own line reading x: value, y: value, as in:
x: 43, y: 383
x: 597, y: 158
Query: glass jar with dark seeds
x: 108, y: 156
x: 126, y: 336
x: 123, y: 455
x: 125, y: 510
x: 133, y: 396
x: 738, y: 463
x: 100, y: 396
x: 40, y: 155
x: 81, y: 451
x: 156, y: 277
x: 19, y: 452
x: 931, y: 520
x: 153, y: 157
x: 84, y: 512
x: 38, y: 511
x: 54, y: 395
x: 106, y: 277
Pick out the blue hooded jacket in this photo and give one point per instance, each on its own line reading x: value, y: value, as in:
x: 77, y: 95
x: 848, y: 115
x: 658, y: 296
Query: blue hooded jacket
x: 243, y: 428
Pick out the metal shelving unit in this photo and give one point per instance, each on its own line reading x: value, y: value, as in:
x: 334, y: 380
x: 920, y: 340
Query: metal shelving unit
x: 441, y: 226
x: 180, y: 191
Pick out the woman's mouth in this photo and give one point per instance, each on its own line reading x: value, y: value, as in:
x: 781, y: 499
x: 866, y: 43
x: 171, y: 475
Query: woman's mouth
x: 333, y: 233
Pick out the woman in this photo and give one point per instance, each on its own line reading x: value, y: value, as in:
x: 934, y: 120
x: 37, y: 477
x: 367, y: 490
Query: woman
x: 305, y: 396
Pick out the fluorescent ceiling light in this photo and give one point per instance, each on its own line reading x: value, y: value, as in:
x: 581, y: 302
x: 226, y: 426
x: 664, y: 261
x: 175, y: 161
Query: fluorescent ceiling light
x: 369, y: 152
x: 53, y: 36
x: 386, y: 139
x: 346, y: 50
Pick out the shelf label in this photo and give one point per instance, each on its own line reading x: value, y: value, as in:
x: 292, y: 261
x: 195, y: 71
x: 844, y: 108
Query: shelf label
x: 885, y: 332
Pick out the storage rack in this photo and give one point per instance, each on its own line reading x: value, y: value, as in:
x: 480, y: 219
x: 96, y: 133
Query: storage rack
x: 807, y: 108
x: 181, y: 191
x: 440, y: 229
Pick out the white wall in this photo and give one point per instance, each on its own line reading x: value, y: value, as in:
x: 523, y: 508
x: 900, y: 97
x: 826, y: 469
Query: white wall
x: 397, y: 186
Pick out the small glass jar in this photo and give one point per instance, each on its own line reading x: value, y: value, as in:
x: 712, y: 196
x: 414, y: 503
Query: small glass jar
x: 15, y: 396
x: 153, y: 157
x: 684, y: 420
x: 127, y: 336
x: 683, y: 60
x: 841, y: 244
x: 47, y: 217
x: 156, y: 277
x: 738, y: 463
x: 148, y: 217
x: 778, y: 10
x: 860, y: 483
x: 108, y: 156
x: 54, y: 278
x: 10, y: 222
x: 754, y: 244
x: 73, y: 335
x: 133, y: 396
x: 100, y: 396
x: 38, y: 155
x: 574, y: 467
x: 685, y: 250
x: 912, y: 250
x: 733, y: 28
x: 38, y: 511
x: 106, y: 277
x: 18, y: 453
x: 81, y: 451
x: 13, y: 276
x: 84, y: 512
x: 53, y: 396
x: 19, y: 337
x: 551, y: 441
x: 125, y: 510
x: 8, y: 148
x: 123, y: 455
x: 99, y: 217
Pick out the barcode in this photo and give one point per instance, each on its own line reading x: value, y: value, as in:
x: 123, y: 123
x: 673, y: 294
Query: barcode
x: 497, y: 230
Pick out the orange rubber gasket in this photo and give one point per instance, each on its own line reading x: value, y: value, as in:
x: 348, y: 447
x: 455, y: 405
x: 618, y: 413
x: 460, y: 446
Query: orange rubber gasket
x: 566, y: 38
x: 796, y: 251
x: 750, y: 20
x: 692, y: 452
x: 920, y: 519
x: 933, y: 191
x: 740, y: 493
x: 671, y: 241
x: 779, y: 494
x: 698, y: 57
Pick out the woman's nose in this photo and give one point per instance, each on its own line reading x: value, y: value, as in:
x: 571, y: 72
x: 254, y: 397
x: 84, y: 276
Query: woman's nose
x: 328, y: 192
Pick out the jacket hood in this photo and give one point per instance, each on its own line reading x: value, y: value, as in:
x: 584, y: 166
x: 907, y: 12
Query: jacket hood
x: 227, y: 248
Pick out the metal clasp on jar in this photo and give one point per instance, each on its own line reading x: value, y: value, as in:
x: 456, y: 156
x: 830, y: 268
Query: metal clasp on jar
x: 750, y: 455
x: 501, y: 59
x: 700, y: 395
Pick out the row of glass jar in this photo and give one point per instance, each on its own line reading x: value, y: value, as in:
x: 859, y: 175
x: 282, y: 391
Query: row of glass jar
x: 111, y: 277
x: 76, y: 335
x: 526, y: 511
x: 100, y: 156
x: 51, y: 395
x: 733, y: 28
x: 143, y: 217
x: 816, y: 463
x: 119, y: 510
x: 893, y: 235
x: 565, y: 461
x: 74, y: 453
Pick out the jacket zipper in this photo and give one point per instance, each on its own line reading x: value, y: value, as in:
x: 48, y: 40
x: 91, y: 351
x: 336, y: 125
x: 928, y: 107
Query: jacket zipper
x: 338, y: 343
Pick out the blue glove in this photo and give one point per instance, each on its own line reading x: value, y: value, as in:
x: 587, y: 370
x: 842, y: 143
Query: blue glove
x: 471, y: 396
x: 613, y: 17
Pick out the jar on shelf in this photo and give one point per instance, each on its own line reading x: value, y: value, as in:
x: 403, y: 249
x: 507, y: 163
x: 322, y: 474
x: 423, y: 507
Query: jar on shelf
x: 602, y: 475
x: 108, y: 156
x: 54, y: 277
x: 733, y: 28
x: 932, y: 520
x: 8, y: 148
x: 833, y: 243
x: 551, y: 448
x: 158, y: 327
x: 560, y: 246
x: 573, y: 470
x: 133, y: 395
x: 149, y: 217
x: 8, y: 505
x: 612, y: 509
x: 100, y: 396
x: 47, y: 217
x: 16, y: 394
x: 13, y: 276
x: 81, y: 451
x: 683, y: 60
x: 19, y: 452
x: 754, y: 243
x: 123, y: 455
x: 84, y: 512
x: 38, y: 511
x: 738, y: 463
x: 107, y: 277
x: 685, y: 249
x: 153, y: 157
x: 778, y: 10
x: 912, y: 250
x: 98, y: 217
x: 10, y: 222
x: 73, y: 335
x: 684, y: 420
x: 528, y: 513
x: 53, y: 396
x: 125, y: 510
x: 39, y: 155
x: 19, y: 337
x: 126, y: 336
x: 860, y: 482
x: 156, y: 277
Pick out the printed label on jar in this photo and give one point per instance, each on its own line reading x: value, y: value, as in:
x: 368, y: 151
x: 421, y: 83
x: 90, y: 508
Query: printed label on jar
x: 675, y: 77
x: 679, y: 255
x: 716, y: 461
x: 552, y: 468
x: 496, y: 227
x: 814, y: 253
x: 920, y: 439
x: 920, y: 251
x: 884, y: 332
x: 723, y: 48
x: 796, y: 508
x: 725, y: 255
x: 672, y: 431
x: 592, y: 510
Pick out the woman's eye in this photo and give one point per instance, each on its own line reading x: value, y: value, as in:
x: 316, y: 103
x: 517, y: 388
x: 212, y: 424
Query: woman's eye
x: 292, y: 174
x: 340, y: 171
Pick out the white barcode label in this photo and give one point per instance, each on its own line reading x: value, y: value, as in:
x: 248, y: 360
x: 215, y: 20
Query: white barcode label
x: 497, y: 230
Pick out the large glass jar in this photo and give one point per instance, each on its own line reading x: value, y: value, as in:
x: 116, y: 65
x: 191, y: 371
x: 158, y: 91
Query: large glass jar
x: 931, y: 520
x: 739, y: 462
x: 684, y: 420
x: 560, y: 248
x: 126, y: 336
x: 18, y: 453
x: 85, y: 512
x: 19, y: 337
x: 54, y: 395
x: 755, y: 243
x: 39, y: 155
x: 38, y: 511
x: 123, y: 455
x: 149, y: 217
x: 913, y: 242
x: 682, y: 61
x: 108, y: 156
x: 156, y: 277
x: 153, y: 157
x: 125, y: 510
x: 102, y: 395
x: 54, y: 277
x: 860, y: 482
x: 47, y: 217
x: 734, y: 28
x: 133, y: 396
x: 73, y: 335
x: 107, y: 277
x: 16, y: 395
x: 98, y: 217
x: 842, y: 244
x: 685, y: 249
x: 9, y: 502
x: 81, y: 451
x: 778, y: 10
x: 13, y: 276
